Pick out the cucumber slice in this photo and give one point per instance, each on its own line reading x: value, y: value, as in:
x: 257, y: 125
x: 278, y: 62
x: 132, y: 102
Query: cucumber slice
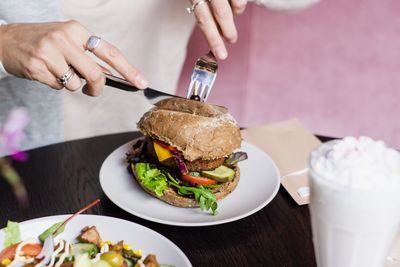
x: 129, y: 262
x: 221, y: 174
x: 82, y: 248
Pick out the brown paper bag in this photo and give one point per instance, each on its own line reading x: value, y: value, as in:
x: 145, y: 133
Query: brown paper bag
x: 289, y: 144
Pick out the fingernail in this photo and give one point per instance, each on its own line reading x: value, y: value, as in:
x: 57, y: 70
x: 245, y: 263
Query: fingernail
x: 142, y: 82
x: 233, y: 40
x: 221, y: 53
x: 90, y: 92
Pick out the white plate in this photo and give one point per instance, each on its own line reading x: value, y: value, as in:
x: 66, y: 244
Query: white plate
x: 137, y: 236
x: 258, y: 185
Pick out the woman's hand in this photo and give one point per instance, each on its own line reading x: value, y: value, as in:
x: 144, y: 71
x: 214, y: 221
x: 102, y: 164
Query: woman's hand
x: 44, y: 51
x: 215, y: 20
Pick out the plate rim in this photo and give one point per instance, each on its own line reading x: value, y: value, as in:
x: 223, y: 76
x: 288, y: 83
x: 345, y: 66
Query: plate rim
x: 94, y: 216
x: 195, y: 224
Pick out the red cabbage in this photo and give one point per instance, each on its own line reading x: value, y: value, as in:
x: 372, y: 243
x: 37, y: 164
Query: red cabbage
x: 179, y: 161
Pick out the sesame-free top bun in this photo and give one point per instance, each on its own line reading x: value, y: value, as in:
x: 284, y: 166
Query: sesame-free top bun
x: 199, y: 130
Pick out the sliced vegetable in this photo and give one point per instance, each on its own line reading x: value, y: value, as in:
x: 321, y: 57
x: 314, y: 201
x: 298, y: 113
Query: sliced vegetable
x: 8, y: 252
x: 198, y: 180
x: 162, y: 153
x: 180, y: 162
x: 59, y: 227
x: 234, y: 158
x: 12, y: 234
x: 113, y: 258
x: 82, y: 248
x: 47, y: 251
x: 31, y: 250
x: 54, y: 230
x: 221, y: 174
x: 129, y: 263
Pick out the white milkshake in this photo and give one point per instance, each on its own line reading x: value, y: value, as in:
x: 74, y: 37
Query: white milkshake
x: 355, y: 202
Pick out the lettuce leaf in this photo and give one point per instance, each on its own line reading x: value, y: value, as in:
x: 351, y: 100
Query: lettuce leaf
x: 158, y: 180
x: 151, y: 178
x: 203, y: 196
x: 12, y: 234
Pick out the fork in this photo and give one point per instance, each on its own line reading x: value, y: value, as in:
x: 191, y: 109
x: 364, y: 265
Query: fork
x: 203, y: 77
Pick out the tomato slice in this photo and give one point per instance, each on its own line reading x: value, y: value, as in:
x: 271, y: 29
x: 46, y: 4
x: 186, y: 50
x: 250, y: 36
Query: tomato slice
x: 164, y: 145
x: 198, y: 180
x: 31, y: 250
x: 8, y: 252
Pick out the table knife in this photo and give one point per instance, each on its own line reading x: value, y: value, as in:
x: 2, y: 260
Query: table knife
x: 152, y: 95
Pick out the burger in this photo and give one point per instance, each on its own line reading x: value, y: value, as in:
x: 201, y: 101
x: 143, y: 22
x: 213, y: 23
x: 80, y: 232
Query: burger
x: 187, y: 156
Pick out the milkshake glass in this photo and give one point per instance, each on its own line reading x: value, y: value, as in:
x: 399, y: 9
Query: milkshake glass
x: 355, y: 202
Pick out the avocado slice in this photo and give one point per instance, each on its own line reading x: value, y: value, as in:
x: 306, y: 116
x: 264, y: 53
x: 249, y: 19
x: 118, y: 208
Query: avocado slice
x: 221, y: 174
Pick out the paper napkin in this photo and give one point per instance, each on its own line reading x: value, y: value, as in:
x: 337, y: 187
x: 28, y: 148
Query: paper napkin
x: 289, y: 144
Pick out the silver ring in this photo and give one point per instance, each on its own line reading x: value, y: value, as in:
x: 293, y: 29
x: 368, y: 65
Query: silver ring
x: 66, y: 77
x: 191, y: 9
x: 92, y: 43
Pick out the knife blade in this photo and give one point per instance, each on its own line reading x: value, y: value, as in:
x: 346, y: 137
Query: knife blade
x: 152, y: 95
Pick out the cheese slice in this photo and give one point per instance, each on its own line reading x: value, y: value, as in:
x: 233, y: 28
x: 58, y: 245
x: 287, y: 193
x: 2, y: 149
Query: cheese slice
x: 162, y: 153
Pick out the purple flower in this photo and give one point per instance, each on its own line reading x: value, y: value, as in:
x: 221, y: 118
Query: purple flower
x: 12, y: 133
x: 11, y: 136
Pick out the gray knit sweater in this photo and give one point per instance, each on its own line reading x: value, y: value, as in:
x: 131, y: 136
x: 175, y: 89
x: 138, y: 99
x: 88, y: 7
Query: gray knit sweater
x: 43, y: 103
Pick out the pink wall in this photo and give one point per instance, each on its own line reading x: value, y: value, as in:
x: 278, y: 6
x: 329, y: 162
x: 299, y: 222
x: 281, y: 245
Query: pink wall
x: 335, y: 66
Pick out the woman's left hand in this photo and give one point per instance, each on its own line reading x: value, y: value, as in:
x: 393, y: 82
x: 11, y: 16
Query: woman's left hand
x: 215, y: 19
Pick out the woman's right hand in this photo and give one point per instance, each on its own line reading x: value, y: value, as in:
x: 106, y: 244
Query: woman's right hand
x: 44, y: 51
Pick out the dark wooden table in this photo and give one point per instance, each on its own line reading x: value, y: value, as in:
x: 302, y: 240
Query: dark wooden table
x: 64, y: 177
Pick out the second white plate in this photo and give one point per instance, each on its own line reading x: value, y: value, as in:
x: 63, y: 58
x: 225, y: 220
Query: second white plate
x: 139, y: 237
x: 258, y: 185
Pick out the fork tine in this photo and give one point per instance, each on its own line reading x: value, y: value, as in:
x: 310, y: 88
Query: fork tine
x: 190, y: 89
x: 209, y: 87
x: 201, y: 89
x: 203, y: 77
x: 195, y: 91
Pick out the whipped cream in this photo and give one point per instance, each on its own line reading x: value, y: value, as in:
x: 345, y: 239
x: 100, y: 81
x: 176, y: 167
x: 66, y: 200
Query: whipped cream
x: 360, y: 163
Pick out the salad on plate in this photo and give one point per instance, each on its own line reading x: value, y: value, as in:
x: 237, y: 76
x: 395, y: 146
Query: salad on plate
x: 87, y: 250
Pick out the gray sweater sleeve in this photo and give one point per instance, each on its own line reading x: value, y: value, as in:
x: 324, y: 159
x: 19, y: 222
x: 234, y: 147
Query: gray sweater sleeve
x: 44, y: 105
x: 3, y: 72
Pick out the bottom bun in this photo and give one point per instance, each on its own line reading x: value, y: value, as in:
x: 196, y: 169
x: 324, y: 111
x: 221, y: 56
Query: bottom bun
x: 171, y: 197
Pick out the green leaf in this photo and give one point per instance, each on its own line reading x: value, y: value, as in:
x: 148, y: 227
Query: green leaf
x: 140, y: 169
x: 12, y: 234
x: 203, y: 196
x: 151, y: 178
x: 171, y: 178
x: 152, y: 173
x: 49, y: 231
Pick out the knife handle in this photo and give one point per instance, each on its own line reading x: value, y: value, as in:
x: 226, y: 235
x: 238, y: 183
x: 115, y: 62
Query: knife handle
x: 120, y: 83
